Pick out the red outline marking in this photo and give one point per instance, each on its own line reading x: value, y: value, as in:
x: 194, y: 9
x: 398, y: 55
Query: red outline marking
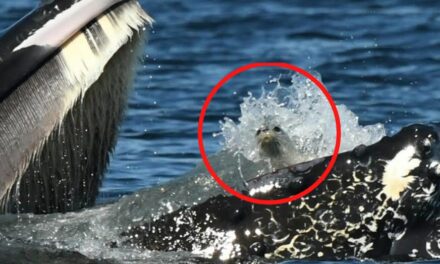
x: 279, y: 65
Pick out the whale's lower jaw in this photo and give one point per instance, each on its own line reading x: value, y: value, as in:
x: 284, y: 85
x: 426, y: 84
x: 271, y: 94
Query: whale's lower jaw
x: 373, y: 205
x: 58, y: 128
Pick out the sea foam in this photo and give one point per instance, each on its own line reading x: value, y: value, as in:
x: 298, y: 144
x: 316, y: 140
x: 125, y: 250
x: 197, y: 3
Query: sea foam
x: 302, y: 111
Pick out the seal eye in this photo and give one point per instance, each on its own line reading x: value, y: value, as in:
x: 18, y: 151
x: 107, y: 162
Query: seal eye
x: 258, y: 132
x: 277, y: 129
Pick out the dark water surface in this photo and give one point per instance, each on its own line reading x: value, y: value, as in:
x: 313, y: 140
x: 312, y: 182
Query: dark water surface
x: 380, y: 58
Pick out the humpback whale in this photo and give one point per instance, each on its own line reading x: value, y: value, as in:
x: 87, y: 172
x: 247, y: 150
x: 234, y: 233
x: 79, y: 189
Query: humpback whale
x: 65, y: 71
x: 375, y: 203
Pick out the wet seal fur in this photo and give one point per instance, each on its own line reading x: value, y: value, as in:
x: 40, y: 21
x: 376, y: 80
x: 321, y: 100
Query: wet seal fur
x: 370, y: 206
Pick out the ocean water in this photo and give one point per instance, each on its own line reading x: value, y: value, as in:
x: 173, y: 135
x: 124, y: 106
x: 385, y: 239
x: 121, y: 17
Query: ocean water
x: 380, y: 59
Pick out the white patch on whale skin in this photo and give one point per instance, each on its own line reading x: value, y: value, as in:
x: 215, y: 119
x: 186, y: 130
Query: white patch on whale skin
x: 264, y: 188
x: 398, y: 235
x: 426, y: 193
x: 395, y: 178
x: 435, y: 166
x: 222, y: 242
x: 280, y: 240
x: 432, y: 252
x: 413, y: 253
x: 258, y: 232
x: 362, y: 244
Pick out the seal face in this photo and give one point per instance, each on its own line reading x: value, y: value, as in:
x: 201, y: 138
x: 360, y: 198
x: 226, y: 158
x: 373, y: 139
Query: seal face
x: 371, y: 199
x: 275, y: 145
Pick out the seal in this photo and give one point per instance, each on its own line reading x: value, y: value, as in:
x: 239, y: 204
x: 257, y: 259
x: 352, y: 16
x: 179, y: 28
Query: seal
x: 368, y: 207
x: 65, y: 71
x: 275, y: 146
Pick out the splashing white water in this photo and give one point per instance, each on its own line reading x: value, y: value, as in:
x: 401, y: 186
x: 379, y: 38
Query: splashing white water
x: 303, y: 112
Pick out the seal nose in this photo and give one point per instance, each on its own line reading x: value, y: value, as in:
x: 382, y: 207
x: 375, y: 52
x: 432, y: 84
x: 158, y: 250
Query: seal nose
x: 267, y: 137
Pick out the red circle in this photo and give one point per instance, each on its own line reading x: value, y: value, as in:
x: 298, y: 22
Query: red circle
x: 279, y: 65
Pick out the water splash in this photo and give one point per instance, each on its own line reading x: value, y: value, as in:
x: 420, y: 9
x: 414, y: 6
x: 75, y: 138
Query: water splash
x: 305, y: 116
x: 300, y: 108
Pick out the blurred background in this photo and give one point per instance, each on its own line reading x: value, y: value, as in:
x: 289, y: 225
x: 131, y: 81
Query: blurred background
x: 380, y: 58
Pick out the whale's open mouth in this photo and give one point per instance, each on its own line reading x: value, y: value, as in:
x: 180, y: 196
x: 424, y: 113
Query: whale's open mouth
x: 64, y: 84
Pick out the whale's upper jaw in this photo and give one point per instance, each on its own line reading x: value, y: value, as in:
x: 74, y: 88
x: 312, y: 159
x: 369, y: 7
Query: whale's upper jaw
x: 43, y: 85
x: 39, y: 35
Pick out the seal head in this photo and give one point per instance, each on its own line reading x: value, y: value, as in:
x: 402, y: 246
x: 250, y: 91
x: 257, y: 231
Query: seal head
x: 275, y: 146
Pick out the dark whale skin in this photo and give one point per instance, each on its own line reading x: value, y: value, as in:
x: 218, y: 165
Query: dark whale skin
x: 353, y: 214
